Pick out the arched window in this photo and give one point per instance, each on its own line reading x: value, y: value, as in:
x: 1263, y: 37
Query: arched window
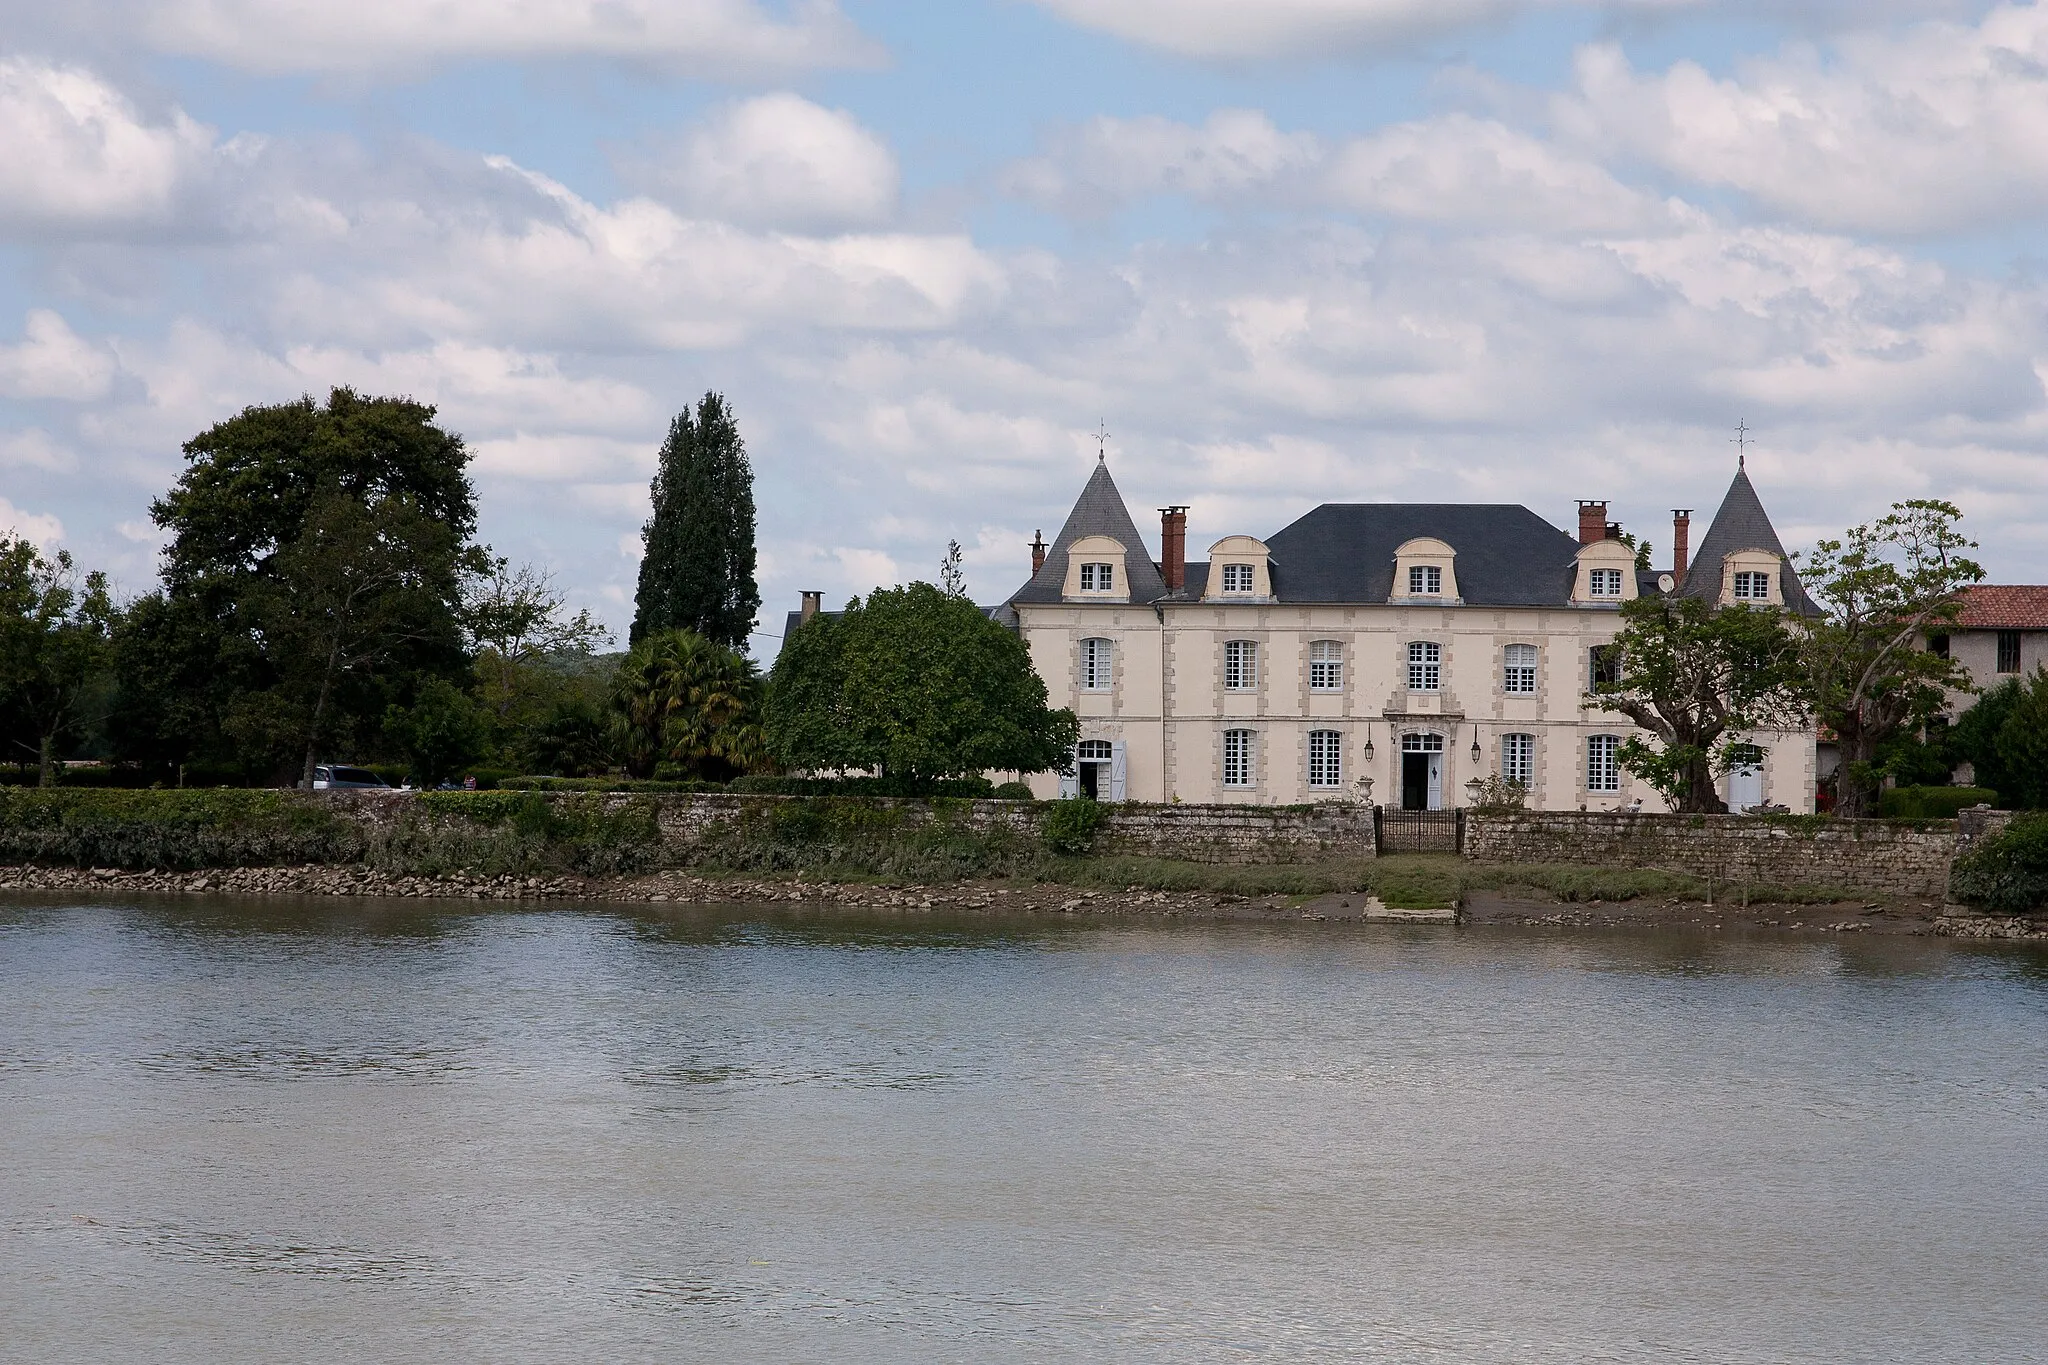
x: 1326, y: 666
x: 1325, y: 758
x: 1241, y: 665
x: 1518, y: 759
x: 1237, y: 758
x: 1095, y: 751
x: 1518, y: 673
x: 1425, y: 666
x: 1095, y: 665
x: 1603, y: 771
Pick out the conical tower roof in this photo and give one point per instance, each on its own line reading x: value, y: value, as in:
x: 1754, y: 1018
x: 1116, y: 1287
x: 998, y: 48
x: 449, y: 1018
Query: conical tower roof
x: 1099, y: 511
x: 1741, y: 524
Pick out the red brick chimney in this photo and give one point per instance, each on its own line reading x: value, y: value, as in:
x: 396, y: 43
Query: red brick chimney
x: 1681, y: 541
x: 812, y: 602
x: 1592, y: 522
x: 1037, y: 552
x: 1173, y: 547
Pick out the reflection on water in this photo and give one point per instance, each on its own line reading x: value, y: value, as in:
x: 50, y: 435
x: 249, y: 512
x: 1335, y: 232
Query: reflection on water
x: 396, y: 1131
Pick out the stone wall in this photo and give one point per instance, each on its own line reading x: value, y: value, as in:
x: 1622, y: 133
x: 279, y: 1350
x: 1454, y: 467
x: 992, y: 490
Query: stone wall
x: 1882, y: 857
x: 1197, y: 833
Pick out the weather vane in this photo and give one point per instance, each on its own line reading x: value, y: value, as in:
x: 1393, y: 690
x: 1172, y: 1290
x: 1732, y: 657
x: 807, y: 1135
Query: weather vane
x: 1102, y: 442
x: 1741, y: 440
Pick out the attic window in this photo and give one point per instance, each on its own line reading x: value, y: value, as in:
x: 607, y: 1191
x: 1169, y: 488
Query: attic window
x: 1098, y: 577
x: 1237, y: 578
x: 1425, y: 580
x: 1607, y: 582
x: 1752, y: 587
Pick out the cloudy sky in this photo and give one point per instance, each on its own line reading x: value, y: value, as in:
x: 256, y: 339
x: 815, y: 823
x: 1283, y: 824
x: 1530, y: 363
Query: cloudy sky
x: 1289, y: 251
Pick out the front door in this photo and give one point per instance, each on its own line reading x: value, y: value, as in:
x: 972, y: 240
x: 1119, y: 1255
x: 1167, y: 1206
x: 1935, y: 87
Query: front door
x: 1091, y: 780
x: 1415, y: 781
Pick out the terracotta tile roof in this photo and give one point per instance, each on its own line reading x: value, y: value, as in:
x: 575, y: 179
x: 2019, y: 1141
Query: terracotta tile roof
x: 2003, y: 606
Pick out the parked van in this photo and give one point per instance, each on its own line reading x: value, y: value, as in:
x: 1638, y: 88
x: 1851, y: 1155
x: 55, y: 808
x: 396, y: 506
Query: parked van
x: 338, y: 777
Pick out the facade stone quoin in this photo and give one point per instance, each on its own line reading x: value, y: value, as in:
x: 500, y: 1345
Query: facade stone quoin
x: 1364, y: 652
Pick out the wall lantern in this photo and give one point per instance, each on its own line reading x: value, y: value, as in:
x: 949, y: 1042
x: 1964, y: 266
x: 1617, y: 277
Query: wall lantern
x: 1477, y: 757
x: 1368, y: 746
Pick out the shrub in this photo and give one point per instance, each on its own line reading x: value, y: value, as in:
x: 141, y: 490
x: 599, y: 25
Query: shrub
x: 180, y: 830
x: 1931, y: 803
x: 1070, y: 825
x: 2006, y: 873
x: 1013, y: 791
x: 850, y: 836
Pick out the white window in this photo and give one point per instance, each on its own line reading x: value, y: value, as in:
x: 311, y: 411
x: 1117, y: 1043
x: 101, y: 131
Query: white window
x: 1603, y: 774
x: 1241, y: 665
x: 1425, y: 666
x: 1425, y: 580
x: 1603, y: 665
x: 1518, y: 759
x: 1237, y: 758
x: 1098, y: 577
x: 1095, y: 661
x: 1325, y: 758
x: 1519, y: 670
x: 1237, y: 578
x: 1752, y: 587
x: 1326, y: 666
x: 1603, y: 582
x: 1422, y: 744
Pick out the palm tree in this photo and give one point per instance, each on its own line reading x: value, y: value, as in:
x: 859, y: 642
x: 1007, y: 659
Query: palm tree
x: 683, y: 699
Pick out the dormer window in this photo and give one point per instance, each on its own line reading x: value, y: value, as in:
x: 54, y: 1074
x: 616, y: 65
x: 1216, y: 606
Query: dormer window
x: 1603, y: 583
x: 1098, y: 577
x: 1751, y: 586
x: 1425, y: 580
x: 1237, y: 578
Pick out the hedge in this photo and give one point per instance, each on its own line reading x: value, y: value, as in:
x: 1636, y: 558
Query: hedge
x: 182, y: 830
x: 601, y: 784
x: 1931, y: 803
x: 769, y: 784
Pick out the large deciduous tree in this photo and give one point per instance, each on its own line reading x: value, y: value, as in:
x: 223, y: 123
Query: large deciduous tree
x: 698, y: 570
x: 54, y: 633
x: 1882, y: 589
x: 915, y: 683
x: 314, y: 577
x: 1699, y: 681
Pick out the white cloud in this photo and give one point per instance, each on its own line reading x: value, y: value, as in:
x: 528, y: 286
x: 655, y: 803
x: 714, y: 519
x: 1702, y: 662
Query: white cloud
x: 1108, y: 162
x: 34, y: 448
x: 41, y: 527
x: 779, y: 161
x: 53, y: 361
x: 77, y: 152
x: 1235, y: 30
x: 1475, y: 172
x: 1940, y: 126
x: 722, y: 38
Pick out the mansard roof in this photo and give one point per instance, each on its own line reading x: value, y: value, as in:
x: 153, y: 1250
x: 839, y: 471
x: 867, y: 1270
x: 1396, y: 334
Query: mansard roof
x: 1741, y: 524
x: 1100, y: 511
x: 1344, y: 552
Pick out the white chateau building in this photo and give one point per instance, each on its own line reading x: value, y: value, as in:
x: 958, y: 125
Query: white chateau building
x: 1380, y: 651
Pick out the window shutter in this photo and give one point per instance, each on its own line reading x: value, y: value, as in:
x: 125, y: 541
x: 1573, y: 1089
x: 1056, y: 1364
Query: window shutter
x: 1070, y: 783
x: 1116, y: 771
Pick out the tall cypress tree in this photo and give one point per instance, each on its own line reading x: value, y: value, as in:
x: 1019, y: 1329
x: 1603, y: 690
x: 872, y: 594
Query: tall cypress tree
x: 698, y: 572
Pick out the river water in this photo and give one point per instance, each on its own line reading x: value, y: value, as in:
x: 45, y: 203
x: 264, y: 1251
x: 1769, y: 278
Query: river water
x: 297, y: 1131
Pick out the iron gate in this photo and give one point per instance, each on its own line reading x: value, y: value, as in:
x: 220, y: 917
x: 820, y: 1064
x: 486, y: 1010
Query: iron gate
x: 1418, y: 831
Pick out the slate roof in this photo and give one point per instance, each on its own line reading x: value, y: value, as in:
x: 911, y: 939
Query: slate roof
x: 1344, y: 552
x: 1100, y: 511
x: 2004, y: 606
x: 1741, y: 524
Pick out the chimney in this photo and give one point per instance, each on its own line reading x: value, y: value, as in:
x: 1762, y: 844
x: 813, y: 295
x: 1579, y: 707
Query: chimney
x: 1037, y: 552
x: 1592, y: 522
x: 812, y: 601
x: 1173, y: 547
x: 1614, y: 530
x: 1681, y: 541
